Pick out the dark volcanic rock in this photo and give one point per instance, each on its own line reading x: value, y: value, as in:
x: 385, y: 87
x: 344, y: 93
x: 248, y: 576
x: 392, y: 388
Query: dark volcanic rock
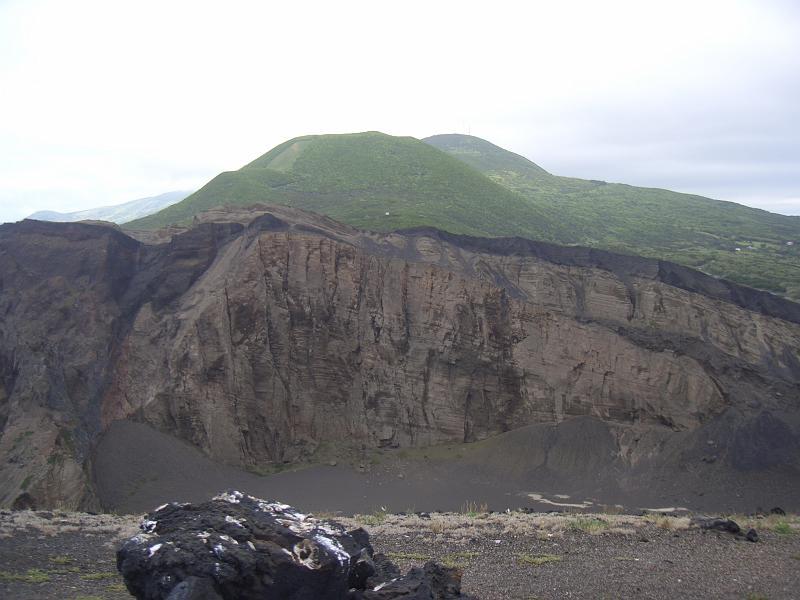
x: 237, y: 547
x: 433, y: 582
x: 717, y: 524
x: 194, y: 588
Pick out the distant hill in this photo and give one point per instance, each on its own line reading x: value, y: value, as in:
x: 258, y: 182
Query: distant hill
x: 464, y: 184
x: 370, y: 180
x: 119, y: 213
x: 684, y: 228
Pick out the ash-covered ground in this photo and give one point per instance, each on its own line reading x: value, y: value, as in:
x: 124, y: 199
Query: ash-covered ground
x: 71, y: 556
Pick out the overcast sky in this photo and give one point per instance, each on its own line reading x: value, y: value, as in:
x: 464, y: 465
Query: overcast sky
x: 105, y: 101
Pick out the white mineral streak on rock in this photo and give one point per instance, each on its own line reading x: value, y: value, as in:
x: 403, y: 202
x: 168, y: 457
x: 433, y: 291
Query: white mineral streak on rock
x: 162, y: 507
x: 219, y: 550
x: 252, y: 546
x: 234, y: 520
x: 148, y: 526
x: 142, y: 538
x: 228, y: 538
x: 204, y: 535
x: 380, y: 586
x: 332, y: 544
x: 232, y: 497
x: 153, y: 549
x: 280, y: 508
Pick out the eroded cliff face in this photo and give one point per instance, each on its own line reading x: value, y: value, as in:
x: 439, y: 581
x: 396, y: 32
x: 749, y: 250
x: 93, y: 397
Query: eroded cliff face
x: 267, y: 336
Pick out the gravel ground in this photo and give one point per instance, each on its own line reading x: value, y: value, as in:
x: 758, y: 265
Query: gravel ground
x: 502, y: 556
x: 60, y: 555
x: 591, y: 556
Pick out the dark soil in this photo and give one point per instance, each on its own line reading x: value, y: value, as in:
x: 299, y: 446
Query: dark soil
x: 138, y: 468
x: 653, y: 563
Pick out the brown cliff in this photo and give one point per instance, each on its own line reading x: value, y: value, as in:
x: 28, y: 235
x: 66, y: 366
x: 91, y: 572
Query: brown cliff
x: 270, y: 335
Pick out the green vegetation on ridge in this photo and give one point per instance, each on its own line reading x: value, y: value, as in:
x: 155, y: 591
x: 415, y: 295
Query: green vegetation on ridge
x: 369, y: 180
x: 684, y: 228
x: 464, y: 184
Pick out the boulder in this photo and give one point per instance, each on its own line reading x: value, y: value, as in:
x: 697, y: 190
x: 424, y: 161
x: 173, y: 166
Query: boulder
x: 727, y: 525
x: 717, y: 524
x: 238, y: 547
x: 433, y: 582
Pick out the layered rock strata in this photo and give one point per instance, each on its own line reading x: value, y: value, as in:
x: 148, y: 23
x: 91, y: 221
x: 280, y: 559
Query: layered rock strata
x: 270, y: 335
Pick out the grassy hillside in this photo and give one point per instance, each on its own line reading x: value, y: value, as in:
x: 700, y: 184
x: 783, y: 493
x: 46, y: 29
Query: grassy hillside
x: 464, y: 184
x: 374, y: 181
x: 684, y: 228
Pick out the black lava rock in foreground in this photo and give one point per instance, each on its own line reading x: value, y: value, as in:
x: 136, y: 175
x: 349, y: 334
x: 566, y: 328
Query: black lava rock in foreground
x: 237, y: 547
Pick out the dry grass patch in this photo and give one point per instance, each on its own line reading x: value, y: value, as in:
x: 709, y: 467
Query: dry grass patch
x: 55, y: 523
x: 473, y: 509
x: 439, y: 526
x: 458, y: 528
x: 590, y: 525
x: 781, y: 524
x: 669, y: 523
x: 537, y: 560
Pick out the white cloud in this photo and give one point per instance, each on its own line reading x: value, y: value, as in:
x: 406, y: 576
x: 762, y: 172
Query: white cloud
x: 110, y: 100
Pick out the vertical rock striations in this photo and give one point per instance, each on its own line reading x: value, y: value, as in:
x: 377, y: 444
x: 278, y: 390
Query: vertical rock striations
x: 262, y: 335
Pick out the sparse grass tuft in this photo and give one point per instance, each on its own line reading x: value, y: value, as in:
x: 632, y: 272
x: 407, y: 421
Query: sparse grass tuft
x: 591, y: 525
x: 116, y: 587
x: 782, y: 524
x: 99, y: 576
x: 537, y: 560
x: 65, y: 571
x: 669, y: 523
x: 376, y: 518
x: 416, y: 556
x: 438, y: 525
x: 457, y: 560
x: 61, y: 560
x: 325, y: 515
x: 473, y: 509
x: 29, y: 576
x: 783, y: 528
